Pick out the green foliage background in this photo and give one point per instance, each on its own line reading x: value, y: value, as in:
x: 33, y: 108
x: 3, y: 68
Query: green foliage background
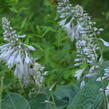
x: 38, y: 20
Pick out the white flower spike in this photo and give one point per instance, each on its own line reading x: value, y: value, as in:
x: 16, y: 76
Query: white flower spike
x: 16, y: 54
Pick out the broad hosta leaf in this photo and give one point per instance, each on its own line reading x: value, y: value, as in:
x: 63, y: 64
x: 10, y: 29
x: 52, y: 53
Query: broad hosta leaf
x: 100, y: 106
x: 15, y: 101
x: 88, y: 97
x: 64, y: 95
x: 61, y: 104
x: 41, y: 101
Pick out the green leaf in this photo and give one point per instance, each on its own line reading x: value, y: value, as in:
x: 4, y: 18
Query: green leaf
x: 15, y: 101
x: 66, y: 91
x: 23, y: 23
x: 41, y: 101
x: 89, y: 97
x: 64, y: 95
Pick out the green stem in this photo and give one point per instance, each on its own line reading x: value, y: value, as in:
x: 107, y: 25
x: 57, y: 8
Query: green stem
x: 53, y: 99
x: 1, y: 91
x: 101, y: 51
x: 105, y: 97
x: 22, y: 87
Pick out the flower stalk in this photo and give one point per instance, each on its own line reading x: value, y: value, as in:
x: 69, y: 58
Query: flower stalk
x: 79, y: 27
x: 16, y: 54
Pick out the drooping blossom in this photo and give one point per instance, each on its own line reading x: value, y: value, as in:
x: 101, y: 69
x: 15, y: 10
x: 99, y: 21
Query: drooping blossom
x: 16, y: 54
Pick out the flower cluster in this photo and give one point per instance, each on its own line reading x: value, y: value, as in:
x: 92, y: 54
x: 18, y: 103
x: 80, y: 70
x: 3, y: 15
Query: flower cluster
x: 79, y: 27
x: 86, y: 51
x: 9, y: 33
x: 39, y: 73
x: 75, y: 21
x: 16, y: 54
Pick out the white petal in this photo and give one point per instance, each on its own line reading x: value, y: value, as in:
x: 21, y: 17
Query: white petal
x: 78, y: 59
x: 106, y: 70
x: 78, y: 73
x: 21, y: 36
x: 6, y: 45
x: 11, y: 61
x: 30, y: 47
x: 68, y: 26
x: 77, y: 64
x: 45, y: 73
x: 101, y: 89
x: 98, y: 79
x: 104, y: 42
x: 82, y: 84
x: 90, y: 75
x: 19, y: 71
x: 18, y: 58
x: 6, y: 53
x: 27, y: 59
x: 72, y: 36
x: 62, y: 23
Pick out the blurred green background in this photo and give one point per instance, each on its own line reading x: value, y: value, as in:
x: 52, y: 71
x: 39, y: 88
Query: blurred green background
x: 38, y: 20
